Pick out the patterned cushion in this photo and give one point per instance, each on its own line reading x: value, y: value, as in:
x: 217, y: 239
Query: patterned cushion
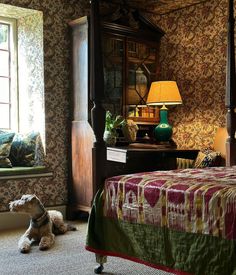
x: 27, y: 150
x: 207, y: 158
x: 6, y: 139
x: 184, y: 163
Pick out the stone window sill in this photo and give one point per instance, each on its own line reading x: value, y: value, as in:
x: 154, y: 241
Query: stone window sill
x: 24, y: 172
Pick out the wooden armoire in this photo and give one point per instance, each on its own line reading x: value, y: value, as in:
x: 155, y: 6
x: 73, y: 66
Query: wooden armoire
x: 130, y: 47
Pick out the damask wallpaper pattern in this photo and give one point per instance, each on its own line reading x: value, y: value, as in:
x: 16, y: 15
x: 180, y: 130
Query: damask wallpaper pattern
x: 193, y: 52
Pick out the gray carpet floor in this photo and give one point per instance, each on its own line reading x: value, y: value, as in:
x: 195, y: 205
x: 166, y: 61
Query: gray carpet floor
x: 68, y: 257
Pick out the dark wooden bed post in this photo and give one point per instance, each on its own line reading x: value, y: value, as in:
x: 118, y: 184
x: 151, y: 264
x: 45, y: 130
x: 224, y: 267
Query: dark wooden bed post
x: 230, y: 100
x: 98, y: 113
x: 97, y: 95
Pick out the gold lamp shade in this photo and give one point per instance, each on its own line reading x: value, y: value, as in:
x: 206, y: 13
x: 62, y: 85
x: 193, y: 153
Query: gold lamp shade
x: 164, y: 93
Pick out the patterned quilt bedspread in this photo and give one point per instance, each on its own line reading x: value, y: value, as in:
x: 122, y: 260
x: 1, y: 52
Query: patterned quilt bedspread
x: 181, y: 221
x: 190, y: 200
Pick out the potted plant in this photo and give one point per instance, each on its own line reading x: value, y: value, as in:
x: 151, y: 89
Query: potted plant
x: 112, y: 123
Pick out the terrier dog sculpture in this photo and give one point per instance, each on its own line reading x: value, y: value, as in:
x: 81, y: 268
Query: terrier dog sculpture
x: 44, y: 225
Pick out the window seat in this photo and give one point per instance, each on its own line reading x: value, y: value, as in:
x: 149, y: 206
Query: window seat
x: 24, y: 172
x: 22, y: 156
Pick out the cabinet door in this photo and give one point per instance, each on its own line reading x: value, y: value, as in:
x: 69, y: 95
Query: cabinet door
x: 113, y: 58
x: 142, y: 69
x: 129, y: 68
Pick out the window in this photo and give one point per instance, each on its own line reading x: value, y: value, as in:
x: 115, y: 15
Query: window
x: 22, y: 107
x: 8, y: 75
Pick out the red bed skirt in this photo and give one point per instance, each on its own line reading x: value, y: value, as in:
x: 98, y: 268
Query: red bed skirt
x: 113, y: 254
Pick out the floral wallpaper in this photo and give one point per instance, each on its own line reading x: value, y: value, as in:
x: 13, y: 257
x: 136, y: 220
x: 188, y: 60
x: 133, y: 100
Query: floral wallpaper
x: 193, y: 52
x: 157, y: 7
x: 56, y: 15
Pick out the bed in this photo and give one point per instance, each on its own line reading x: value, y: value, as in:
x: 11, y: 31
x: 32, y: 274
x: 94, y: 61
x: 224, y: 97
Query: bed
x: 181, y: 221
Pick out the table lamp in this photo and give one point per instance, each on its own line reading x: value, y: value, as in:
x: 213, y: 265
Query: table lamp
x: 163, y: 93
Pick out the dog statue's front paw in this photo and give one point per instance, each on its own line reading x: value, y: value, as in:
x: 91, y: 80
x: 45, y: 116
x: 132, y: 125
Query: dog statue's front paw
x: 46, y: 242
x: 24, y: 244
x: 25, y: 249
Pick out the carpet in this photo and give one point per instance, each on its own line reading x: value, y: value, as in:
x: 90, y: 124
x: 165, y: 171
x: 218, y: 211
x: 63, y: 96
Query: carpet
x: 68, y: 257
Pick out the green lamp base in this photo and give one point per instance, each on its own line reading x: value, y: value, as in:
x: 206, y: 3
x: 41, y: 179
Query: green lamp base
x: 163, y: 131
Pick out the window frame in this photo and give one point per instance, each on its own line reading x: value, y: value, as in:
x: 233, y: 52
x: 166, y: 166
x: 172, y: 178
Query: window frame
x: 13, y: 74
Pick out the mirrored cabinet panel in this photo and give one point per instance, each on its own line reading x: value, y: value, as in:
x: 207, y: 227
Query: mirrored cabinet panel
x: 142, y: 69
x: 113, y: 59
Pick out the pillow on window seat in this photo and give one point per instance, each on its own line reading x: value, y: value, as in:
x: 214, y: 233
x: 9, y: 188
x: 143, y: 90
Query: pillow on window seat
x: 6, y: 139
x: 207, y: 158
x: 27, y: 150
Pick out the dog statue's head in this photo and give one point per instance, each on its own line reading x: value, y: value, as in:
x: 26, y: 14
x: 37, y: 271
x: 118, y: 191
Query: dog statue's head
x: 26, y: 204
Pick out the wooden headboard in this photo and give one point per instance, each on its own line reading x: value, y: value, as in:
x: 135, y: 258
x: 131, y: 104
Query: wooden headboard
x: 97, y: 94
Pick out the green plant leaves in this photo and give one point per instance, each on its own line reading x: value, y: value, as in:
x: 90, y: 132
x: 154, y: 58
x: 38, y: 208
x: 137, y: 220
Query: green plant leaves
x: 112, y: 122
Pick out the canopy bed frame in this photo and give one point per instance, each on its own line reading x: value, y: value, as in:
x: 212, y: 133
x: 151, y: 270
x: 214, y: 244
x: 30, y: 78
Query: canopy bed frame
x: 98, y: 117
